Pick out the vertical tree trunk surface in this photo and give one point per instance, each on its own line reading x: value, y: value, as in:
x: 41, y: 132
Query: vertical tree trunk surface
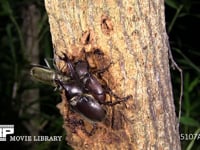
x: 132, y: 36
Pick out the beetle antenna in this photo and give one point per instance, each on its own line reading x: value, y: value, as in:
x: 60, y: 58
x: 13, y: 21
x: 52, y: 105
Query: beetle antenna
x: 46, y: 62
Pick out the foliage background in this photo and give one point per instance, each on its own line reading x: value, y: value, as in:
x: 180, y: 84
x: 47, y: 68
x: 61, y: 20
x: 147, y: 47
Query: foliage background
x: 183, y: 27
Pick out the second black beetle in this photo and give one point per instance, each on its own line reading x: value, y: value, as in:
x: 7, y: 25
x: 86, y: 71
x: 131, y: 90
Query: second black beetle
x: 82, y: 102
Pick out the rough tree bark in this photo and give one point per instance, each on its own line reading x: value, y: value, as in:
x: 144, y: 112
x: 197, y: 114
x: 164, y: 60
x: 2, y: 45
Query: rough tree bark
x: 132, y: 36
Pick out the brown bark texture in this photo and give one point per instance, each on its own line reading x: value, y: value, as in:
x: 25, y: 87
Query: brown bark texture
x: 131, y: 34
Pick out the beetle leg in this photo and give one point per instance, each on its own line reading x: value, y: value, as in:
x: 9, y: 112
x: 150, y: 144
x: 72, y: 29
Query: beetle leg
x: 118, y: 99
x: 100, y: 71
x: 74, y: 124
x: 110, y: 103
x: 47, y: 63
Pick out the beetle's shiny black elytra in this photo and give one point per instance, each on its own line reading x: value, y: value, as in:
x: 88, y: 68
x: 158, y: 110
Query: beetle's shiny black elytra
x: 88, y: 107
x: 82, y: 102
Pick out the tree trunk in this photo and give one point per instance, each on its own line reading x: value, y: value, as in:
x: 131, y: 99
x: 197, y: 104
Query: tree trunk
x: 31, y: 17
x: 132, y: 36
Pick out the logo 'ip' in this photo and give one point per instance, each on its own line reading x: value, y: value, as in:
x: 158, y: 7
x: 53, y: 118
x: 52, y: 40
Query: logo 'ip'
x: 5, y: 130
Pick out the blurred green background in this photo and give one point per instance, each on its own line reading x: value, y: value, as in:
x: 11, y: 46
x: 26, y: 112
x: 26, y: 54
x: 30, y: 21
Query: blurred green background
x: 31, y: 107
